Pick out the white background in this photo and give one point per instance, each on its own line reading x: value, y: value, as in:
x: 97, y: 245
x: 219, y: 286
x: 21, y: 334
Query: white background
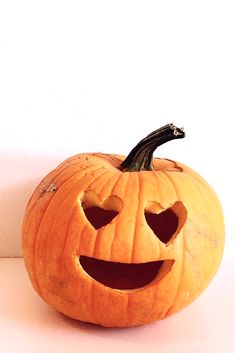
x: 78, y: 76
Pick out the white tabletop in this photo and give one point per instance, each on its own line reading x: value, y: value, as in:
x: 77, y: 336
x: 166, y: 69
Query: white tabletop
x: 28, y: 325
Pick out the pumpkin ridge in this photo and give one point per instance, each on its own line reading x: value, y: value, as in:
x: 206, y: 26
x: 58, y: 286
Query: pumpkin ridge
x: 116, y: 183
x: 136, y: 174
x: 170, y: 182
x: 98, y: 233
x: 116, y: 176
x: 90, y: 297
x: 182, y: 252
x: 97, y: 180
x: 158, y: 175
x: 155, y: 175
x: 78, y: 246
x: 114, y: 191
x: 130, y: 186
x: 65, y: 238
x: 137, y: 215
x: 93, y: 306
x: 208, y: 188
x: 128, y: 313
x: 115, y: 230
x: 100, y: 230
x: 40, y: 223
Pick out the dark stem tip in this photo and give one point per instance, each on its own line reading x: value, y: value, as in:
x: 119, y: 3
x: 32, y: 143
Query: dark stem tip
x: 141, y: 156
x: 177, y: 131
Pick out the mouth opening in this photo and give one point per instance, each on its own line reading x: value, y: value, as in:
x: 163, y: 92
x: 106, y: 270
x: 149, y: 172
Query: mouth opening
x: 117, y: 275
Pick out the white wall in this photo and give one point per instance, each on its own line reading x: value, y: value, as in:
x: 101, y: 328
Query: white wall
x: 81, y: 76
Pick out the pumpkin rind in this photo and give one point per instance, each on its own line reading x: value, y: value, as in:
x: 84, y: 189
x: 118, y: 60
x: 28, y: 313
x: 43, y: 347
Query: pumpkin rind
x: 56, y: 232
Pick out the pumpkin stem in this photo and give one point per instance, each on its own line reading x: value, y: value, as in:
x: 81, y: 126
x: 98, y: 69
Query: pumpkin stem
x: 141, y: 156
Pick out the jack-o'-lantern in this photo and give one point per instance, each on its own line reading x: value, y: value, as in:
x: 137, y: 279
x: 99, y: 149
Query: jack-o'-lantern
x: 123, y: 241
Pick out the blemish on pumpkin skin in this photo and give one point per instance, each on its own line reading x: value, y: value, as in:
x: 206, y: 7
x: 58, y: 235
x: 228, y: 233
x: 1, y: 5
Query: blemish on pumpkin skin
x: 62, y: 284
x: 58, y: 283
x: 48, y: 187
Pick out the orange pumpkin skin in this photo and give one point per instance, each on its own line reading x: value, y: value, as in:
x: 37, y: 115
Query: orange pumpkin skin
x: 56, y: 233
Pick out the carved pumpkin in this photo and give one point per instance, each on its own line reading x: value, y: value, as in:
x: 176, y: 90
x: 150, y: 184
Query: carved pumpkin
x: 123, y: 242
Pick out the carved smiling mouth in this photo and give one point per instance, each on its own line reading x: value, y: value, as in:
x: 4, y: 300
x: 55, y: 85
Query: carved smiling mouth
x: 117, y: 275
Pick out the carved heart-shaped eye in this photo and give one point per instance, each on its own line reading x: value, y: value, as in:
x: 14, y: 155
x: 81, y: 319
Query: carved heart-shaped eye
x: 168, y: 223
x: 98, y: 217
x: 100, y: 213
